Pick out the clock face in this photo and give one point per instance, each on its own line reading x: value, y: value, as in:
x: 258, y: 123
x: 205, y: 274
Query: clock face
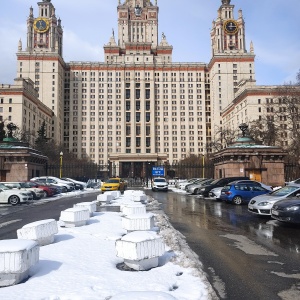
x: 231, y: 27
x: 41, y: 25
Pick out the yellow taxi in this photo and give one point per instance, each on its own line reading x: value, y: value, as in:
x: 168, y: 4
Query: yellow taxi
x: 113, y: 184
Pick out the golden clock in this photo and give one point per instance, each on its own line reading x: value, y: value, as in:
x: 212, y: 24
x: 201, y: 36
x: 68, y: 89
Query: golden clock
x: 231, y: 27
x: 41, y: 25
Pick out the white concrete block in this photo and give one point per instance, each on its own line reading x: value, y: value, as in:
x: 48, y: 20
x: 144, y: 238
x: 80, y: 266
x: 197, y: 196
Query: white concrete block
x: 140, y: 245
x: 105, y: 198
x: 91, y: 206
x: 134, y: 208
x: 114, y: 194
x: 16, y: 258
x: 41, y: 231
x: 128, y: 193
x: 140, y: 198
x: 138, y: 222
x: 75, y: 217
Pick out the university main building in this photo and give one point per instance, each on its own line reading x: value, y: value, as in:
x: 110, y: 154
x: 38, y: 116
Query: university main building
x: 138, y: 106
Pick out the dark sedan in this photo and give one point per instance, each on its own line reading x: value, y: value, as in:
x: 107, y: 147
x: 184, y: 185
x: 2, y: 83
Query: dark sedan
x: 287, y: 210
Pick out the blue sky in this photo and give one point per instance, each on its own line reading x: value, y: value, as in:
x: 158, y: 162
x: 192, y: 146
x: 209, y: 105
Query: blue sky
x: 272, y: 25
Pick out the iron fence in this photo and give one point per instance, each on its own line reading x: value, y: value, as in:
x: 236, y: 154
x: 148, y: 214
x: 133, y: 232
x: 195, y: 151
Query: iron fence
x: 172, y: 171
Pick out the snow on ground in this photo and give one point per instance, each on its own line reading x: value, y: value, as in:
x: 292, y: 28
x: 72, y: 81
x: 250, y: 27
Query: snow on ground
x: 81, y: 265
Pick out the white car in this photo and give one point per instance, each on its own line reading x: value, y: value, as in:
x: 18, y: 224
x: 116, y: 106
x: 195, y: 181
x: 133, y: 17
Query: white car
x: 159, y: 184
x: 215, y: 193
x: 14, y: 196
x: 262, y: 205
x: 36, y: 192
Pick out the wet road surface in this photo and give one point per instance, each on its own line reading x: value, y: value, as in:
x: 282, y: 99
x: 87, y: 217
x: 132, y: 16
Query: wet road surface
x: 244, y: 256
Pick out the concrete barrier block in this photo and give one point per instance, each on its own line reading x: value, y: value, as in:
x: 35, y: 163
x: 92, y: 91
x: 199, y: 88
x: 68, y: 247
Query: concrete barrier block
x: 41, y: 231
x: 105, y: 198
x: 16, y: 258
x: 138, y: 222
x: 75, y: 217
x: 91, y: 206
x: 134, y: 208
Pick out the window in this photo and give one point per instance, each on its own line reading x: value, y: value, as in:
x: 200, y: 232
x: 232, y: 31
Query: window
x: 127, y: 94
x: 138, y: 117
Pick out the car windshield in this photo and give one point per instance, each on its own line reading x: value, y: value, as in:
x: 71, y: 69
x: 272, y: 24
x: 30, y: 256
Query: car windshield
x: 285, y: 190
x: 113, y: 181
x: 3, y: 187
x: 215, y: 181
x: 159, y: 180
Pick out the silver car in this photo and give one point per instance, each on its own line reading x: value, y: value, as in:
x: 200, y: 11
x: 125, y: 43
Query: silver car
x: 215, y: 193
x: 262, y: 205
x: 195, y: 187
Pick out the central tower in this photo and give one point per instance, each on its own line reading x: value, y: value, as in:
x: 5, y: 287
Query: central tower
x: 137, y: 22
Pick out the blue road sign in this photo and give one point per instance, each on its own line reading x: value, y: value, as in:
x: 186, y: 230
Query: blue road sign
x: 158, y: 171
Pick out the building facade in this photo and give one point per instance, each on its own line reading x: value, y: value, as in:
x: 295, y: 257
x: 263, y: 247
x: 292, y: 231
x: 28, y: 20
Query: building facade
x: 137, y: 107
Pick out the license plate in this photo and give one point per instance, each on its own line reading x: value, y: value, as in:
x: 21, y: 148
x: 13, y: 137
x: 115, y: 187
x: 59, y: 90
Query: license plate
x: 274, y: 212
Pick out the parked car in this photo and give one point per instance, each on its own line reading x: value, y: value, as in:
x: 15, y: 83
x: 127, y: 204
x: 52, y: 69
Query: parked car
x: 198, y: 180
x: 113, y: 184
x: 287, y: 210
x: 14, y: 196
x: 204, y: 191
x: 181, y: 184
x: 159, y: 184
x: 239, y: 193
x: 64, y: 185
x: 293, y: 182
x: 262, y: 205
x: 79, y: 185
x: 195, y: 188
x: 37, y: 193
x: 267, y: 187
x: 48, y: 190
x: 215, y: 193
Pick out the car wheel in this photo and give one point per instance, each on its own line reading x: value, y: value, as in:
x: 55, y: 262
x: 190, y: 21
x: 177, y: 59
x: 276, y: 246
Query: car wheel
x: 34, y: 196
x: 196, y: 191
x: 237, y: 200
x: 13, y: 200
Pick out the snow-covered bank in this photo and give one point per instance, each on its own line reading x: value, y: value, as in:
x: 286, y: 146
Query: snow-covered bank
x: 81, y: 264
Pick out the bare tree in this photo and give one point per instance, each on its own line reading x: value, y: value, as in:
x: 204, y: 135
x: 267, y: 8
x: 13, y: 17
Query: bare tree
x: 280, y: 126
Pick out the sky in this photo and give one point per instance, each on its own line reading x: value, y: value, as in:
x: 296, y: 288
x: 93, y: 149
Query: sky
x: 272, y: 25
x: 81, y: 265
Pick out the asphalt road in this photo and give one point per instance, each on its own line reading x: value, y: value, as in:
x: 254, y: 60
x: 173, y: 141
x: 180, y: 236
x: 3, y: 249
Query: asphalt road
x: 13, y: 218
x: 244, y: 256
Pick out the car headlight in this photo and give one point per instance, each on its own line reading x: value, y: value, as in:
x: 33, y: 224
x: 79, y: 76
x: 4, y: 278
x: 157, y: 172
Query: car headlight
x: 263, y: 203
x: 293, y: 208
x: 203, y: 189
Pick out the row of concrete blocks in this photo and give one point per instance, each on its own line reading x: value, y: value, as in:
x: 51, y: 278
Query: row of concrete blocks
x: 141, y: 247
x: 19, y: 255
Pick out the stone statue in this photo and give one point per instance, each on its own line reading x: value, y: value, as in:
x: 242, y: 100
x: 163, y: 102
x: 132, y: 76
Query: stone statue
x: 244, y: 128
x: 11, y: 127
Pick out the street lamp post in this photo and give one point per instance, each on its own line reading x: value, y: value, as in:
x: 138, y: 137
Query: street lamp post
x: 60, y: 163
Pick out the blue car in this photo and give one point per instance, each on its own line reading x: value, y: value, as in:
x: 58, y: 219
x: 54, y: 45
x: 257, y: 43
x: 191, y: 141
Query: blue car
x: 239, y: 193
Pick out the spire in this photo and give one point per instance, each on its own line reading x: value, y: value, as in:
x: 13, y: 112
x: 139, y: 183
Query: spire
x: 226, y: 2
x: 251, y: 47
x: 31, y: 12
x: 20, y: 45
